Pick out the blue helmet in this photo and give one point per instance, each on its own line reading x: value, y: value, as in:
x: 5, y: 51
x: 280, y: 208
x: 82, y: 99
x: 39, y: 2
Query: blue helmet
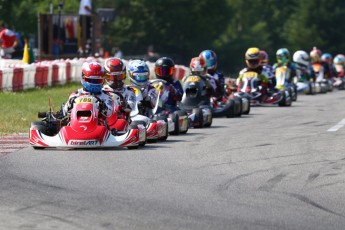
x: 138, y: 72
x: 92, y: 76
x: 327, y: 57
x: 210, y: 58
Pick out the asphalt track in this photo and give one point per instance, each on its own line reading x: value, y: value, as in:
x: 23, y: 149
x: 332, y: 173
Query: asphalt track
x: 277, y: 168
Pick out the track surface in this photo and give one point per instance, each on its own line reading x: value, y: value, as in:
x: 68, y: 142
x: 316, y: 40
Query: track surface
x: 277, y: 168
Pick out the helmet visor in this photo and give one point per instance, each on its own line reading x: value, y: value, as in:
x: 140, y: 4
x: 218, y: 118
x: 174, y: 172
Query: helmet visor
x: 164, y: 71
x: 115, y: 77
x: 94, y: 79
x: 254, y: 62
x: 140, y: 77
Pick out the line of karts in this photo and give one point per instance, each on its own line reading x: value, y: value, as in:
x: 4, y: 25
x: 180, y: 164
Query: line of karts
x: 83, y: 129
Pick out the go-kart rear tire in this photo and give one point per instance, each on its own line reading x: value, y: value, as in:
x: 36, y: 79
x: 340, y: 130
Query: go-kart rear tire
x: 247, y: 111
x: 239, y: 101
x: 231, y: 111
x: 200, y: 117
x: 176, y: 119
x: 296, y: 93
x: 208, y: 124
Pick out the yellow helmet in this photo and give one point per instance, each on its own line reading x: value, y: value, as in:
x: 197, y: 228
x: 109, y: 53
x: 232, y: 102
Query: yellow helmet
x: 253, y: 57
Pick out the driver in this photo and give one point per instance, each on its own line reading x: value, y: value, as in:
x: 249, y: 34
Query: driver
x: 164, y: 70
x: 139, y: 73
x: 198, y: 67
x: 92, y: 79
x: 253, y: 61
x: 115, y: 72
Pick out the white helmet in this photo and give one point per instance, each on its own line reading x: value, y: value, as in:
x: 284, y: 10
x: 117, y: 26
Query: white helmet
x: 301, y: 57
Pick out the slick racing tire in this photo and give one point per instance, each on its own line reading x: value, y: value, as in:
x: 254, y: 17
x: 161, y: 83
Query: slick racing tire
x: 176, y: 119
x: 200, y: 117
x: 296, y: 93
x: 208, y: 124
x: 230, y: 108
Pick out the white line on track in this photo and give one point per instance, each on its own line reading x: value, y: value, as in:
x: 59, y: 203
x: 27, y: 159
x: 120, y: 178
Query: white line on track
x: 337, y: 126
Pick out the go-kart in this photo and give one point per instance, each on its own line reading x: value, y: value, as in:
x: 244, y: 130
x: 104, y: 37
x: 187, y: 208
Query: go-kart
x: 252, y: 90
x: 84, y: 128
x: 304, y: 86
x: 322, y: 85
x: 157, y: 129
x: 178, y: 121
x: 339, y: 81
x: 230, y: 90
x: 282, y: 73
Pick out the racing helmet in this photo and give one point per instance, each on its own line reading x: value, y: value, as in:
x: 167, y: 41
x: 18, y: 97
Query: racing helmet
x: 301, y: 58
x: 198, y: 66
x: 283, y: 56
x: 210, y: 58
x: 264, y: 57
x: 115, y: 72
x: 339, y: 59
x: 165, y: 68
x: 138, y: 72
x: 253, y: 57
x: 92, y: 76
x: 327, y: 57
x: 315, y: 55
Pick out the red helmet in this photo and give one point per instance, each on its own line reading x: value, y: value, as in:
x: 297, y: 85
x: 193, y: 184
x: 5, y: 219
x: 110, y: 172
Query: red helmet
x: 264, y: 57
x: 115, y: 72
x: 92, y: 77
x: 198, y: 66
x: 315, y: 55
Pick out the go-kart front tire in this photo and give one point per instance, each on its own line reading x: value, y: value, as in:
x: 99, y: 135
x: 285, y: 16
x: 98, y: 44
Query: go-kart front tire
x: 176, y: 119
x: 200, y: 117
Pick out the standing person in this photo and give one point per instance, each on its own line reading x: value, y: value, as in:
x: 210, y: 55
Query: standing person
x: 85, y: 12
x: 117, y: 52
x: 151, y: 55
x: 8, y: 40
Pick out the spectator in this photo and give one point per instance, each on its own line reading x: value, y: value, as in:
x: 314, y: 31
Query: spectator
x: 85, y: 12
x: 117, y: 52
x: 8, y: 40
x: 152, y: 55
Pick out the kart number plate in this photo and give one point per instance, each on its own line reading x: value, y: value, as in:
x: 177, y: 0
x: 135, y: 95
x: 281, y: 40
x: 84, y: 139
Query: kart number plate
x: 84, y: 100
x: 193, y: 79
x: 250, y: 75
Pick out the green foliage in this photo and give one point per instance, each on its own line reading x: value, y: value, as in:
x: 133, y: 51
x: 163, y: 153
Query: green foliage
x: 181, y: 29
x: 27, y: 104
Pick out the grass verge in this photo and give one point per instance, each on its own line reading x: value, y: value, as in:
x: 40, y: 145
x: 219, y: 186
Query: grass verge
x: 19, y: 109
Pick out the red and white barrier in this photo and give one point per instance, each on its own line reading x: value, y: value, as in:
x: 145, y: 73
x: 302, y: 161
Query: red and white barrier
x: 16, y: 76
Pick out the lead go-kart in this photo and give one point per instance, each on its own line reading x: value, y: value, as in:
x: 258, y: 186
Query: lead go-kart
x: 178, y: 121
x: 157, y: 129
x: 251, y: 89
x: 83, y: 128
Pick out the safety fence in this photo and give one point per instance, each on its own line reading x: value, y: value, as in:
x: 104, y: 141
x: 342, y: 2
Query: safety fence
x: 16, y: 76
